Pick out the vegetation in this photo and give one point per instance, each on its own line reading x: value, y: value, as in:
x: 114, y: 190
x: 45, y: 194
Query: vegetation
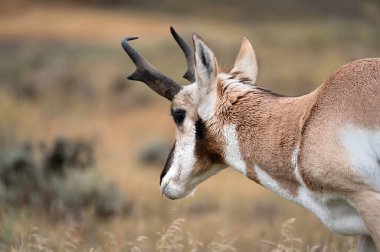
x: 56, y: 181
x: 173, y: 238
x: 63, y: 83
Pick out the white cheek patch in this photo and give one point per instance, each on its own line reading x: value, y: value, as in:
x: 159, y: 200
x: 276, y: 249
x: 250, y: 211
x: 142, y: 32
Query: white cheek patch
x: 232, y: 153
x: 363, y: 149
x: 184, y: 158
x: 176, y: 180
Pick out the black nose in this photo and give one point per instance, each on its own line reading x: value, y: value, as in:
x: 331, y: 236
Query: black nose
x: 167, y: 164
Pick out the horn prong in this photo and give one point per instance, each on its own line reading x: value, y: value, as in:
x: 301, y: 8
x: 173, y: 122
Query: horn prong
x: 186, y: 49
x: 147, y: 73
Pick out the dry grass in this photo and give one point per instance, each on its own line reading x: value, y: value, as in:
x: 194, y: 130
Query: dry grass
x: 42, y: 51
x: 172, y: 239
x: 289, y: 242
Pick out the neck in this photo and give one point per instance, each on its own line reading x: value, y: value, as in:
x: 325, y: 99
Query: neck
x: 268, y: 130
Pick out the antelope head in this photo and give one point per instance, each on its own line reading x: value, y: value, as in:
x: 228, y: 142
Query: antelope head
x: 201, y: 148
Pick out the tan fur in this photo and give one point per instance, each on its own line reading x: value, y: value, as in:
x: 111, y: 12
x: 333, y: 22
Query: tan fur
x: 273, y: 126
x: 368, y: 204
x: 209, y: 151
x: 302, y: 148
x: 270, y: 126
x: 246, y: 60
x: 349, y: 96
x: 294, y: 140
x: 269, y: 131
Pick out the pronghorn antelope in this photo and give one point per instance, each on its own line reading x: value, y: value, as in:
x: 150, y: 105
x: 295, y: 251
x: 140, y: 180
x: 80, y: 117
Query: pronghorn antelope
x: 320, y: 150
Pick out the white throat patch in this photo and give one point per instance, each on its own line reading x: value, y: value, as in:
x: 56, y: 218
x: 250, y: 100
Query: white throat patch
x: 232, y: 153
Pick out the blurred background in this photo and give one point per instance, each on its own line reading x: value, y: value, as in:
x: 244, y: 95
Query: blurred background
x: 81, y: 147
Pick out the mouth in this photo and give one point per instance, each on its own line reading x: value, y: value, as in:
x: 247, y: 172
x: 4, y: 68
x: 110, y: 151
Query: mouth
x: 173, y: 191
x: 166, y: 192
x: 163, y: 188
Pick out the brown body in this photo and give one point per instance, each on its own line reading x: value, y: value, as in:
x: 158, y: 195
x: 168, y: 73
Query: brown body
x: 351, y: 96
x: 274, y: 125
x: 321, y: 150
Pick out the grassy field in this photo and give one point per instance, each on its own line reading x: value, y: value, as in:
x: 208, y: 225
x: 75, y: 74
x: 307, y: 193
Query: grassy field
x: 62, y: 73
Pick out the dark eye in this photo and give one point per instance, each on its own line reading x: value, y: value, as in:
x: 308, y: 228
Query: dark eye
x: 178, y: 116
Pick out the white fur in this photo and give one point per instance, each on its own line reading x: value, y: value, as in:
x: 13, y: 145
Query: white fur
x: 334, y: 211
x: 192, y: 89
x: 206, y: 108
x: 225, y: 76
x: 271, y: 184
x: 207, y: 104
x: 233, y: 84
x: 178, y: 182
x: 205, y: 74
x: 295, y: 165
x: 295, y: 156
x: 173, y: 185
x: 232, y: 153
x: 363, y: 151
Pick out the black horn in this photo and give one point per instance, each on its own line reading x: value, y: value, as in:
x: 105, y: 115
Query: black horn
x: 147, y: 73
x: 190, y: 74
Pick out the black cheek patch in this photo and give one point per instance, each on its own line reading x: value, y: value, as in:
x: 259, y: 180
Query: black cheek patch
x: 168, y: 163
x: 214, y: 158
x: 199, y: 130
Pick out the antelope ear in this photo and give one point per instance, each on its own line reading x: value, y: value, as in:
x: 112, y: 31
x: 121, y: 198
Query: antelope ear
x: 246, y: 60
x: 205, y: 66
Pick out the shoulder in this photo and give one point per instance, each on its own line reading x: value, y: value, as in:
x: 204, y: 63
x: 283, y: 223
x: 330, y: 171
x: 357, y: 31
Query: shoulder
x: 359, y: 72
